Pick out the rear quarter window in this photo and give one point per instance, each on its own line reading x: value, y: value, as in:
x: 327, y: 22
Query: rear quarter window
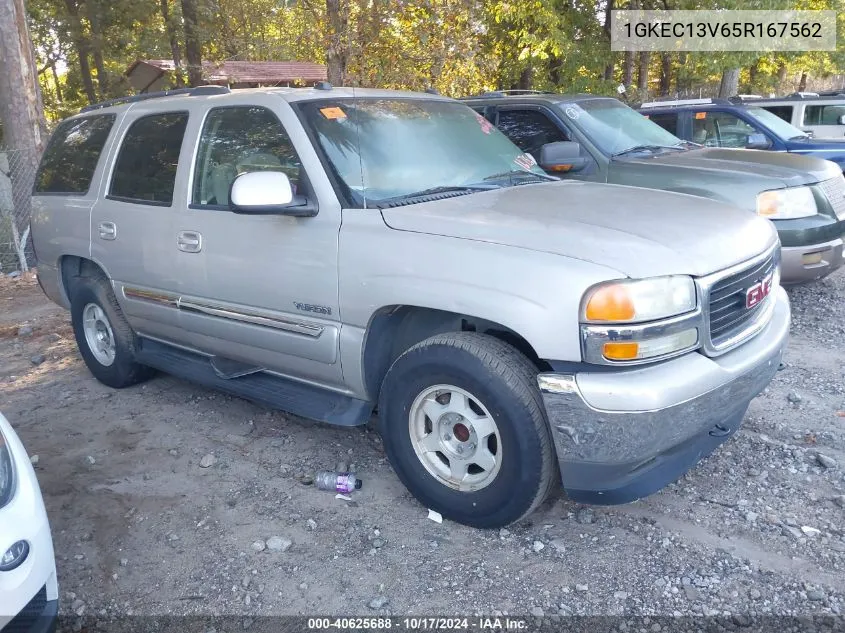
x: 70, y: 160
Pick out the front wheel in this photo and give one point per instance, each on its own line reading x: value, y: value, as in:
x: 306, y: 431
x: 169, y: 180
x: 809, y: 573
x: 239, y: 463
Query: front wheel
x: 465, y: 429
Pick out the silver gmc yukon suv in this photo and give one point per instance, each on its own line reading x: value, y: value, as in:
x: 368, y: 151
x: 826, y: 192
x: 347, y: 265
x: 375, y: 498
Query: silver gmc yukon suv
x: 333, y: 251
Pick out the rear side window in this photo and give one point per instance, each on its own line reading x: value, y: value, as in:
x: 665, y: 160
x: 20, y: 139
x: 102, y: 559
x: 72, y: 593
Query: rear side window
x: 71, y: 157
x: 782, y: 112
x: 668, y: 122
x: 823, y: 114
x: 145, y: 171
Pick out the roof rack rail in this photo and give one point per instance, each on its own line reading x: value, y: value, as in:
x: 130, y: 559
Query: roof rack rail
x: 673, y: 103
x: 144, y: 96
x: 505, y: 93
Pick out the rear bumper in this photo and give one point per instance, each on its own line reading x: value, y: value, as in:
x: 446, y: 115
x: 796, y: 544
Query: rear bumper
x: 800, y: 264
x: 623, y: 435
x: 49, y: 280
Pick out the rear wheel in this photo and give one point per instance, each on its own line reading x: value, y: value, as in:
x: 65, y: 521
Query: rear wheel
x: 465, y: 429
x: 104, y: 338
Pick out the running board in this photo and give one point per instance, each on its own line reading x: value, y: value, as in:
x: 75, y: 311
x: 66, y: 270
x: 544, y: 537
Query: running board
x: 275, y: 392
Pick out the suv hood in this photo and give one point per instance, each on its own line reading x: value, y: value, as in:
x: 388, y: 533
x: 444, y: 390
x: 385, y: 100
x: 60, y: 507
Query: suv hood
x: 637, y: 232
x: 790, y: 170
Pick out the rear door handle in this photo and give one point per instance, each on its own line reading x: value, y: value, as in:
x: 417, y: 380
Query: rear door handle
x: 108, y: 230
x: 189, y: 241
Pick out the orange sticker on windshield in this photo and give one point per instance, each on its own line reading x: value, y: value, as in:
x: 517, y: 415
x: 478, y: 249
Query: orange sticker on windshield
x: 333, y: 113
x: 700, y: 115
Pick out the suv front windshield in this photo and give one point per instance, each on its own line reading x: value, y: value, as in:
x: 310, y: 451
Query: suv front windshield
x: 386, y: 151
x: 776, y: 124
x: 616, y: 128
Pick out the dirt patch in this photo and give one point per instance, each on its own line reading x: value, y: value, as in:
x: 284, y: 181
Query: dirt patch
x: 141, y: 528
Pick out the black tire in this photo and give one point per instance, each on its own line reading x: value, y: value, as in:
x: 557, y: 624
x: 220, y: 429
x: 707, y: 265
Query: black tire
x: 504, y: 380
x: 94, y: 288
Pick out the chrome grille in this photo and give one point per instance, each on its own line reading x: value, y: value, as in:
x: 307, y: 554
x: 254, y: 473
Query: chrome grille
x: 834, y: 189
x: 727, y: 314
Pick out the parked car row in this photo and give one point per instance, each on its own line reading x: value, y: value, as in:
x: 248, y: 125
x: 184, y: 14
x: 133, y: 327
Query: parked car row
x: 607, y: 141
x: 594, y: 304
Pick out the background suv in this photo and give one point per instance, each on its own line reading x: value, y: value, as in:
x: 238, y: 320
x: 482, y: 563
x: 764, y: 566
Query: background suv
x: 604, y: 140
x: 721, y: 123
x: 821, y: 114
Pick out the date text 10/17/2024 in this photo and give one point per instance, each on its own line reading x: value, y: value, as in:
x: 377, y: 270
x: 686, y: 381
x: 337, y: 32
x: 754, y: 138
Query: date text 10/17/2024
x: 419, y: 624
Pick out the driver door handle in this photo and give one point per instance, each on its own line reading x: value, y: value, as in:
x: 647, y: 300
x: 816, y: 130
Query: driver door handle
x: 189, y: 241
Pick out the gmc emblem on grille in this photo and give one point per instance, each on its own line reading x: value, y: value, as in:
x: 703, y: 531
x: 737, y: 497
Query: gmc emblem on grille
x: 759, y: 291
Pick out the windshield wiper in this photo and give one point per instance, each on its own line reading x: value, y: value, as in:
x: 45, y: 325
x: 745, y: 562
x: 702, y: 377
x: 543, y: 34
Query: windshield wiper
x: 642, y: 148
x: 688, y: 144
x: 390, y: 202
x: 519, y: 172
x: 799, y: 137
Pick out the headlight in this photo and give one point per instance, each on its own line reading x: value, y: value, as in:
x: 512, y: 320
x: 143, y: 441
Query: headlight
x: 7, y: 473
x: 635, y: 301
x: 635, y: 321
x: 786, y: 204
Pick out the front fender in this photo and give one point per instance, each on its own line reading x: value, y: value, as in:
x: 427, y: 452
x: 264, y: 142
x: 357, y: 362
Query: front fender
x: 535, y: 294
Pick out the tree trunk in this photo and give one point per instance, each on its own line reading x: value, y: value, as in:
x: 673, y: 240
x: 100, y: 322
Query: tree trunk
x: 781, y: 74
x: 83, y: 49
x: 21, y: 111
x: 628, y: 69
x: 729, y: 86
x: 611, y: 66
x: 802, y: 83
x: 57, y: 84
x: 642, y: 74
x: 526, y: 78
x: 173, y: 37
x: 665, y: 74
x: 337, y: 51
x: 753, y: 75
x: 92, y: 11
x: 193, y: 48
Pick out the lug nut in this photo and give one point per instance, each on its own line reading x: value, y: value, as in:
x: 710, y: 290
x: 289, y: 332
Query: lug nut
x: 459, y: 449
x: 446, y: 437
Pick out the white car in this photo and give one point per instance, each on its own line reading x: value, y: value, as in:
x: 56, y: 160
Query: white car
x: 29, y: 592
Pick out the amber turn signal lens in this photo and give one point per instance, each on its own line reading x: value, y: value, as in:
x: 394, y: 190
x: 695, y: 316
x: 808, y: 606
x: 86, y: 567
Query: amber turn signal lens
x: 610, y: 303
x: 768, y: 203
x: 621, y: 351
x: 560, y: 168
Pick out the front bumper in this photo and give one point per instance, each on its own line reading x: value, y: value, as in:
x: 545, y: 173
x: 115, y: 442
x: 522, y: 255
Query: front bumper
x: 799, y: 263
x: 29, y: 593
x: 626, y: 434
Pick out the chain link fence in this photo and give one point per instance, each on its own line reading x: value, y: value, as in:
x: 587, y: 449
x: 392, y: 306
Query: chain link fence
x: 17, y: 175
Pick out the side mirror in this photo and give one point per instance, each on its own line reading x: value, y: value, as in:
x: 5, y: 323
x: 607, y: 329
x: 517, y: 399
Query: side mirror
x: 757, y: 141
x: 267, y: 193
x: 840, y: 120
x: 562, y: 156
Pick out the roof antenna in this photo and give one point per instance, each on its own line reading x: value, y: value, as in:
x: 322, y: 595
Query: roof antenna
x: 322, y: 85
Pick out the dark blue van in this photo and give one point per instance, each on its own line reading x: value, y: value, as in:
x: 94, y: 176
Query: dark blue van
x: 723, y: 123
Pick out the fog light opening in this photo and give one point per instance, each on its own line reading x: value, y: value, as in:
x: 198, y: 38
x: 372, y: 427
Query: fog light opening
x: 811, y: 259
x: 14, y: 557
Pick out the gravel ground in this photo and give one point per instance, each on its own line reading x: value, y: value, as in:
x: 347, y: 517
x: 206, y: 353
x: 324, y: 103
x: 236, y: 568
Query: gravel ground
x: 167, y: 498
